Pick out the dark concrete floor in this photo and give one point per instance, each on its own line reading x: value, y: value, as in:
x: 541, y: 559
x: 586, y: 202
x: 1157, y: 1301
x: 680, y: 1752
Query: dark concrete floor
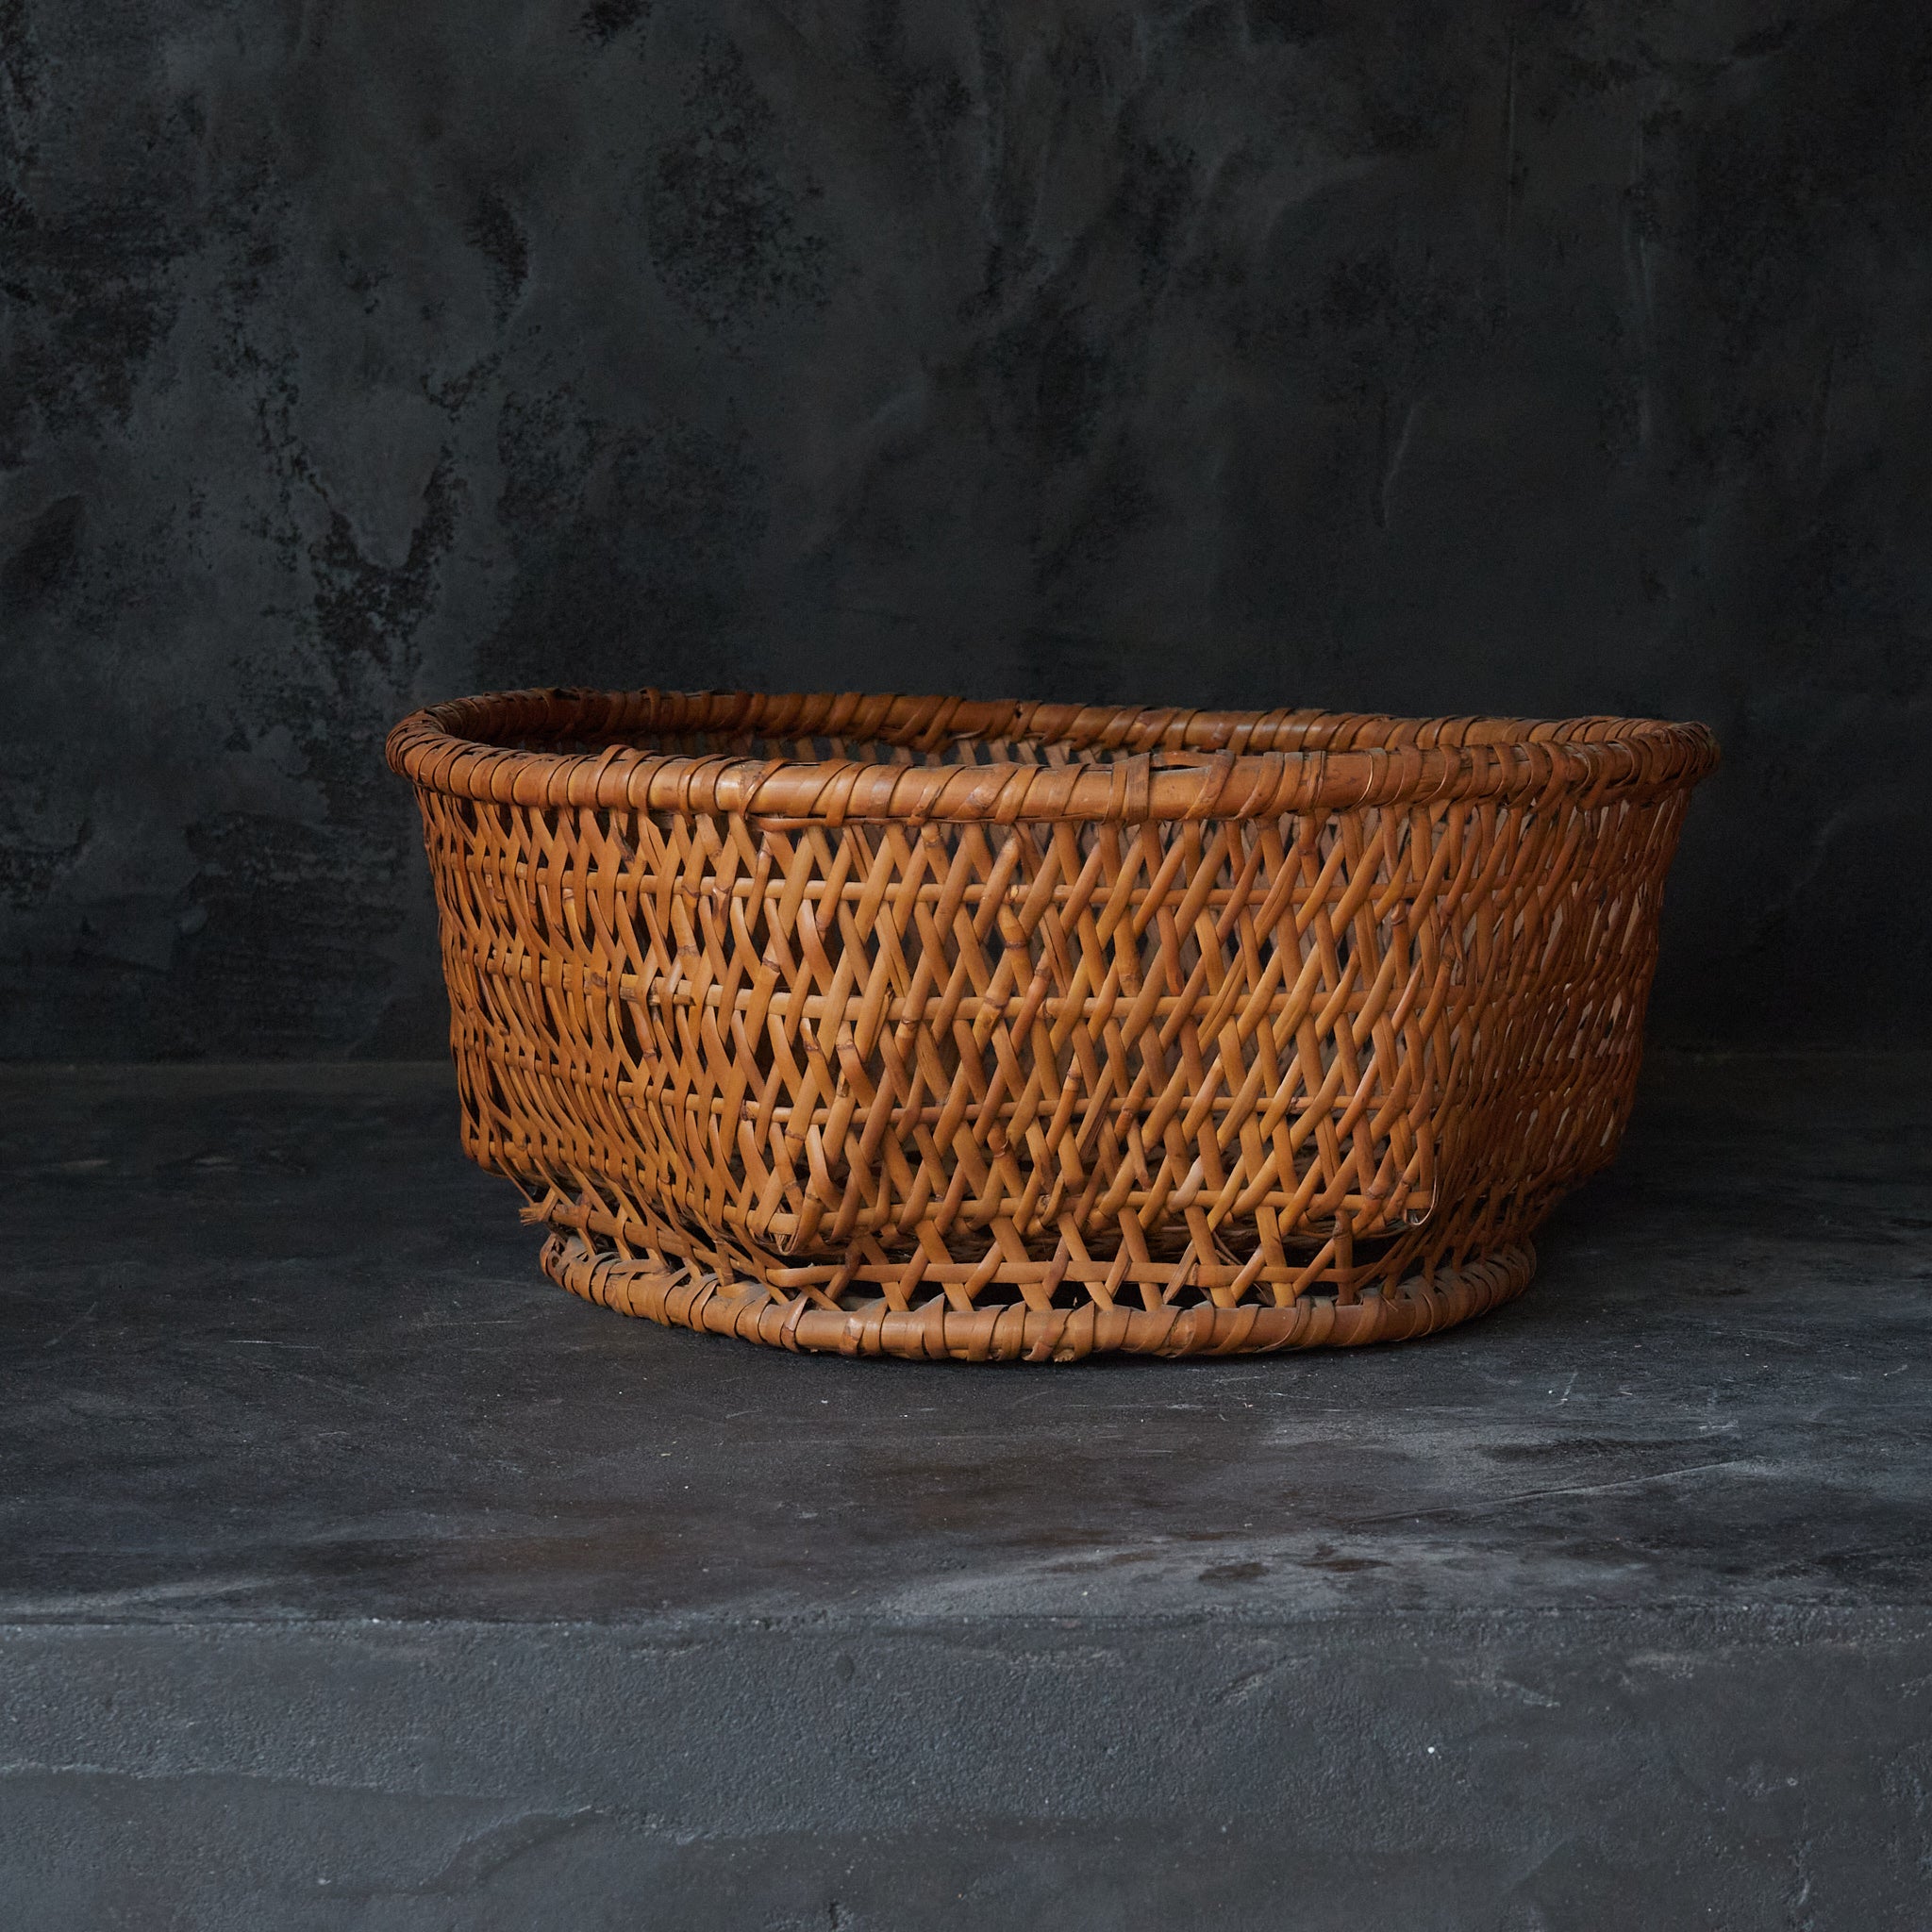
x: 353, y: 1577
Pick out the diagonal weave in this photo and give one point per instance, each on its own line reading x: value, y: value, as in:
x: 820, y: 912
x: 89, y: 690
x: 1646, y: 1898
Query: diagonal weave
x: 934, y: 1028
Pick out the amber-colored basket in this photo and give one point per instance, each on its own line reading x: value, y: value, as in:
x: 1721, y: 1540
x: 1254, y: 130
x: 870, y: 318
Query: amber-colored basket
x: 923, y: 1028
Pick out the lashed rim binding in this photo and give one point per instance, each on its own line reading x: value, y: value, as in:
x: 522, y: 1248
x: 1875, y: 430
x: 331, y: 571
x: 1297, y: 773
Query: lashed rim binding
x: 945, y: 1029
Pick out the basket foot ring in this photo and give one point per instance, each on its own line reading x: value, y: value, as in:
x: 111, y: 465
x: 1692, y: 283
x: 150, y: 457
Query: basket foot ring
x: 682, y: 1298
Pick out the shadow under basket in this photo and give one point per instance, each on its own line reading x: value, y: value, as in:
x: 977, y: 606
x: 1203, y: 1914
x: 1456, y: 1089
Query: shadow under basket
x: 977, y: 1031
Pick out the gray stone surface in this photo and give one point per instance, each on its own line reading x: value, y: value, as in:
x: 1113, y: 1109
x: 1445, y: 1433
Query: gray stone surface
x: 1556, y: 358
x: 351, y: 1577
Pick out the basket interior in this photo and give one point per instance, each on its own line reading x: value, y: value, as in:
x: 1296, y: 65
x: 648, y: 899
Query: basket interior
x: 962, y: 748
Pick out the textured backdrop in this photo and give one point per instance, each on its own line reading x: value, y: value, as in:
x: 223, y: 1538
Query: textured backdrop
x: 1527, y: 357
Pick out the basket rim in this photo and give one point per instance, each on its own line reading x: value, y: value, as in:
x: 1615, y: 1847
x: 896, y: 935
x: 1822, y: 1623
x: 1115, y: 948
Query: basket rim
x: 1167, y: 764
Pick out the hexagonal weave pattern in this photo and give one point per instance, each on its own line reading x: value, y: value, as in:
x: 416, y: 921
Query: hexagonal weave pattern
x: 946, y: 1029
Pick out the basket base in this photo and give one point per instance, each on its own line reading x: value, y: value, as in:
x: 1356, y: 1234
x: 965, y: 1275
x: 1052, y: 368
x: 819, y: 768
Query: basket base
x: 939, y: 1332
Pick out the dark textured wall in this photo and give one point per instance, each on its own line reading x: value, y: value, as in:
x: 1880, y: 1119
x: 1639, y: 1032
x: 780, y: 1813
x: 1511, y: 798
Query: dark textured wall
x: 1488, y: 355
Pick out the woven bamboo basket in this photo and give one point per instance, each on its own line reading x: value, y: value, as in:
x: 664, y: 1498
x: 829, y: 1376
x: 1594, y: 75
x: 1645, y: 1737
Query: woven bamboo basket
x: 921, y: 1027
